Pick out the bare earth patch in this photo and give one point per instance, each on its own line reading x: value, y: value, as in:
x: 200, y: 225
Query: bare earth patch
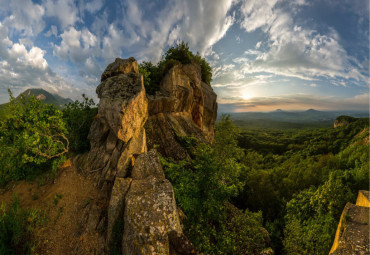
x: 64, y: 202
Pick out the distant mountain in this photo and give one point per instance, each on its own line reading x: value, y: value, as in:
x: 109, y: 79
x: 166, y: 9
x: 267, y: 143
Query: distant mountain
x: 290, y: 119
x: 312, y: 111
x: 47, y: 97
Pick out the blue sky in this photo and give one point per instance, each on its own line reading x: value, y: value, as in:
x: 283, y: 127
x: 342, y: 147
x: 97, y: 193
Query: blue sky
x: 265, y: 54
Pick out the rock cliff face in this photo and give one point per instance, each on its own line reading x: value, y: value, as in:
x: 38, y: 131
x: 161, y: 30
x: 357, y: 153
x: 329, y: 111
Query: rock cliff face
x: 184, y: 106
x: 352, y: 236
x: 134, y: 189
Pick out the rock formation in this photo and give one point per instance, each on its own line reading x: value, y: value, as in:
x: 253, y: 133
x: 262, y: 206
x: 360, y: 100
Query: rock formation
x: 184, y: 106
x: 352, y: 236
x: 343, y: 120
x: 134, y: 190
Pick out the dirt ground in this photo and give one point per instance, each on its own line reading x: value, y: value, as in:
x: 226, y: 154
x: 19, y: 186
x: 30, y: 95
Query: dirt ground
x: 63, y: 201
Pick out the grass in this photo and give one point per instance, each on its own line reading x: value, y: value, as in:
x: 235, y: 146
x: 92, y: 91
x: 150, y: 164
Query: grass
x: 17, y: 228
x: 57, y: 197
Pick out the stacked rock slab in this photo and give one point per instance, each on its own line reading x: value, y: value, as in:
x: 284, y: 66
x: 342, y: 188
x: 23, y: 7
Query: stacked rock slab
x: 134, y: 189
x: 352, y: 236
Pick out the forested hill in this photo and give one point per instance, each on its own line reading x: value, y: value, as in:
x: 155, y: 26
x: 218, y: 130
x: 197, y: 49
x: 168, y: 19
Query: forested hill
x: 280, y: 119
x: 45, y: 97
x: 302, y: 179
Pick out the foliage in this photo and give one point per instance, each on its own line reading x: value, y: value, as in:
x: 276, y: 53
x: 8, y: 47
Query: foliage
x: 180, y: 52
x: 78, y: 117
x: 176, y: 55
x: 204, y: 185
x: 32, y: 137
x: 301, y: 180
x: 17, y: 227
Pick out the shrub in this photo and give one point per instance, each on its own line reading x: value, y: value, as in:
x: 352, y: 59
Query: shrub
x: 17, y: 228
x: 78, y: 117
x: 178, y: 54
x: 33, y: 139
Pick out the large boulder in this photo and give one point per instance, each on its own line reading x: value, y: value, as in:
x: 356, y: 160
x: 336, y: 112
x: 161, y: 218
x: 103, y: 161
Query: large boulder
x: 150, y: 214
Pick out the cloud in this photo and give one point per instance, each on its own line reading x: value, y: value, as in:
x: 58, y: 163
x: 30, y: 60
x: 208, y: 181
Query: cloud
x: 76, y: 45
x: 293, y: 50
x: 25, y: 16
x: 22, y: 68
x: 64, y: 10
x: 94, y: 6
x: 294, y: 102
x: 53, y: 31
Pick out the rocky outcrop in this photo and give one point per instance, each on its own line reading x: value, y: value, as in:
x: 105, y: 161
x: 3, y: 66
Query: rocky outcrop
x: 133, y: 185
x: 184, y: 106
x: 343, y: 120
x: 352, y: 236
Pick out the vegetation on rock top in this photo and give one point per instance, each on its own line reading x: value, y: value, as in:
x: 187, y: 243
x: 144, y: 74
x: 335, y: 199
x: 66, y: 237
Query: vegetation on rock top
x: 179, y: 54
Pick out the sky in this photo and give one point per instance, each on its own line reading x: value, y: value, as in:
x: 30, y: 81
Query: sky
x: 265, y: 54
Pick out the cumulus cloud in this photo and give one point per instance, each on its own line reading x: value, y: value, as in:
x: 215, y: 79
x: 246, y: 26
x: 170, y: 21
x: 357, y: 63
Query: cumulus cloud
x: 76, y: 45
x: 24, y: 15
x: 23, y: 68
x: 64, y: 10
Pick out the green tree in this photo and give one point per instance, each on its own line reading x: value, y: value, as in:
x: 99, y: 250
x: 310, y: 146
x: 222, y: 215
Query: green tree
x: 33, y: 139
x: 78, y: 117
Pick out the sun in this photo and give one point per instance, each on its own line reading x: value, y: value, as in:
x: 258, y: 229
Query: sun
x: 246, y: 96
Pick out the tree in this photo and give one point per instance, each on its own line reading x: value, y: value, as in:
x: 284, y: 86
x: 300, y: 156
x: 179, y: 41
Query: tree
x: 78, y: 117
x: 33, y: 139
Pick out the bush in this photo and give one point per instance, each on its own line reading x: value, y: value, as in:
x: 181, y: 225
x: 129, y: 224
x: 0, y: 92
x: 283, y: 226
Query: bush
x: 78, y: 117
x: 203, y: 187
x: 33, y: 139
x: 17, y: 228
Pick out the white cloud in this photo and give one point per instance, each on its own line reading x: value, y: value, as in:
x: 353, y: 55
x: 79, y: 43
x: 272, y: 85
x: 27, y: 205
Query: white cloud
x: 52, y: 31
x: 293, y: 50
x: 64, y: 10
x: 25, y: 16
x: 76, y: 45
x: 23, y: 68
x: 94, y: 6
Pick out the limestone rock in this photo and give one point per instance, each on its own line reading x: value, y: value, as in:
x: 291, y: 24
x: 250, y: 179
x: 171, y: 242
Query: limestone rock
x: 147, y: 164
x: 352, y: 236
x: 149, y: 215
x: 120, y: 66
x: 116, y: 203
x: 168, y: 130
x: 363, y: 198
x: 123, y: 105
x: 185, y: 106
x: 134, y: 146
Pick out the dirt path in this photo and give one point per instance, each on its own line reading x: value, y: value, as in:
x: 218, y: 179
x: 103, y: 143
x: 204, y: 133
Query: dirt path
x: 63, y: 201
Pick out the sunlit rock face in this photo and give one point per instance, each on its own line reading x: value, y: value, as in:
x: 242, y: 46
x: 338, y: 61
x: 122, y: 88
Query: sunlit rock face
x: 134, y: 189
x: 352, y: 236
x: 184, y: 106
